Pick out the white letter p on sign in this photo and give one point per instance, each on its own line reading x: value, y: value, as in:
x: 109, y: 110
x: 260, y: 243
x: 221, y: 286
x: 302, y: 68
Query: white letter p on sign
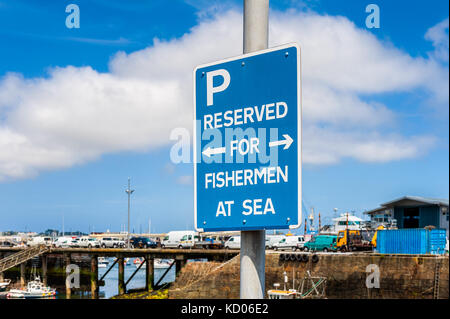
x: 211, y: 89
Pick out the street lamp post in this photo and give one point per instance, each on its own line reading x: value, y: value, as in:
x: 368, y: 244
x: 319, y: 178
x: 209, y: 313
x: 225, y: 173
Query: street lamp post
x: 129, y: 191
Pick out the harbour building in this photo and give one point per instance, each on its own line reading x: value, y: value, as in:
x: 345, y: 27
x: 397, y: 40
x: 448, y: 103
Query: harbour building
x: 412, y: 212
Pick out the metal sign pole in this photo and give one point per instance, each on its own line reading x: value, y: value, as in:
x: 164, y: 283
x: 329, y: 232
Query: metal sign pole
x: 129, y: 191
x: 256, y: 37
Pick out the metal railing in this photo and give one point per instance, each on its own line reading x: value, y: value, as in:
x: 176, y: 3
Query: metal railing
x: 22, y: 256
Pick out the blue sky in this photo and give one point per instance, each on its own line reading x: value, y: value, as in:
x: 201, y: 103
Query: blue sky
x: 375, y: 105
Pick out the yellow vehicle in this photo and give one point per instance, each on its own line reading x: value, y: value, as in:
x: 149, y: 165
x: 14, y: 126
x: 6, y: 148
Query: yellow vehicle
x: 343, y: 238
x: 374, y: 238
x: 351, y: 240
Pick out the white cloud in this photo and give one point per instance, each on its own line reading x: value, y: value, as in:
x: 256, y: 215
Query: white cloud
x: 339, y: 55
x: 329, y: 146
x: 326, y: 105
x: 75, y: 115
x: 438, y: 35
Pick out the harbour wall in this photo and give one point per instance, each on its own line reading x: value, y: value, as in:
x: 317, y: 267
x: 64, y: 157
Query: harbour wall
x: 400, y: 276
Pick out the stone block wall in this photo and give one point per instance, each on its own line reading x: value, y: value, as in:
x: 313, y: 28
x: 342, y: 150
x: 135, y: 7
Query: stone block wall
x: 401, y: 276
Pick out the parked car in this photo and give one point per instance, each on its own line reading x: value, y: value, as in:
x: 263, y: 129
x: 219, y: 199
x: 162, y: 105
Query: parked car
x: 233, y: 243
x: 179, y: 239
x: 89, y: 242
x: 142, y: 242
x: 322, y: 243
x: 111, y: 242
x: 74, y: 243
x: 290, y: 242
x: 40, y: 240
x: 62, y: 242
x: 7, y: 243
x: 208, y: 243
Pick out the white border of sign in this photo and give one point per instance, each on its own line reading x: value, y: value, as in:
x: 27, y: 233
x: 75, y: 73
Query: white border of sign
x: 299, y: 123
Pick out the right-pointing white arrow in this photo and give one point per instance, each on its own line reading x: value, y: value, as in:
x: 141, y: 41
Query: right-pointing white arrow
x: 286, y: 142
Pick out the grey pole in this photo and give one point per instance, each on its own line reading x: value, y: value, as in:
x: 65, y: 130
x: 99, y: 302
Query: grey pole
x: 256, y: 25
x: 253, y: 254
x: 129, y: 191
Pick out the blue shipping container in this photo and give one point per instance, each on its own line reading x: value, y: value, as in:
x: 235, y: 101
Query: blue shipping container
x: 411, y: 241
x: 436, y: 241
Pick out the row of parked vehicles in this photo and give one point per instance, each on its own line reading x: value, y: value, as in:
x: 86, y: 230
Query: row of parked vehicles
x: 76, y: 242
x: 178, y: 239
x: 345, y: 241
x: 190, y: 239
x: 294, y: 243
x: 348, y: 240
x: 105, y: 242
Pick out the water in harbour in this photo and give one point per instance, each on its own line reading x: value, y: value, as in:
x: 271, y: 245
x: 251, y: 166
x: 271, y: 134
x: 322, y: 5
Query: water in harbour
x: 111, y: 287
x: 111, y: 280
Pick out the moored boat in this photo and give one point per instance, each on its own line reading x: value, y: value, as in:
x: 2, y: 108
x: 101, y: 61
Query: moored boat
x: 102, y: 262
x: 281, y: 294
x: 138, y: 261
x: 344, y: 222
x: 161, y: 263
x: 35, y: 289
x: 4, y: 284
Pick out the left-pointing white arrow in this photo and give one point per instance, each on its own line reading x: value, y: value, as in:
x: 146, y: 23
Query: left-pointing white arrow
x: 286, y: 142
x: 212, y: 151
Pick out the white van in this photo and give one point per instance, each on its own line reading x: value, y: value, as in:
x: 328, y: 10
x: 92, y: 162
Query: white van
x: 40, y: 240
x: 233, y: 243
x: 180, y: 239
x: 271, y: 240
x: 290, y: 242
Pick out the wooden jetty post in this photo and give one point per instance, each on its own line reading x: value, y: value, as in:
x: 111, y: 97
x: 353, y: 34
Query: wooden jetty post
x: 179, y: 263
x: 68, y: 284
x: 2, y: 276
x: 122, y: 287
x: 149, y: 271
x: 94, y: 277
x: 22, y: 273
x: 44, y: 269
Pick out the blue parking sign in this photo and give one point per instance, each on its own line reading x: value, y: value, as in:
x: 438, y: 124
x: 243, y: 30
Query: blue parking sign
x: 247, y: 141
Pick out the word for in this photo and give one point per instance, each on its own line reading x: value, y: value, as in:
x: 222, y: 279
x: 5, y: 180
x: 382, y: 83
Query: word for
x: 260, y: 145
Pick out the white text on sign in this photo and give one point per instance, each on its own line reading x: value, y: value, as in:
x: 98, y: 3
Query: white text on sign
x: 250, y: 207
x: 246, y: 115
